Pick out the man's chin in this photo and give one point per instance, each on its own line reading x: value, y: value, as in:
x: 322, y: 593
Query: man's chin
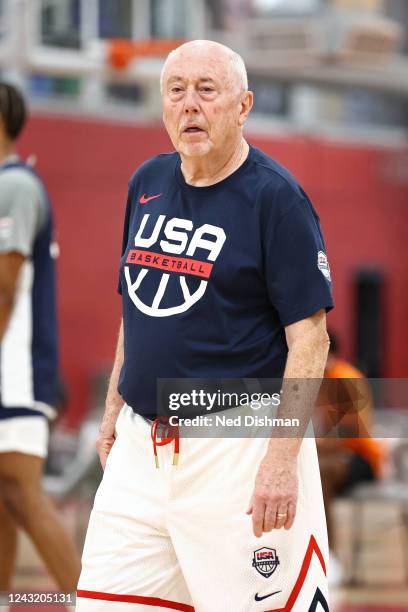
x: 194, y: 149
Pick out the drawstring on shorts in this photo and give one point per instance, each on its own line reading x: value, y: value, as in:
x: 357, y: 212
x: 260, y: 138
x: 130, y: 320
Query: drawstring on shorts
x: 169, y: 434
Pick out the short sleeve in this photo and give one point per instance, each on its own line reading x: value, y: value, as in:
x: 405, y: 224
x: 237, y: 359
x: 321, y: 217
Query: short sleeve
x: 297, y: 269
x: 20, y: 216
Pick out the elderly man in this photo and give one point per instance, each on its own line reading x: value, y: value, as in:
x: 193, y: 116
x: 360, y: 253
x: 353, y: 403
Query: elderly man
x: 223, y: 275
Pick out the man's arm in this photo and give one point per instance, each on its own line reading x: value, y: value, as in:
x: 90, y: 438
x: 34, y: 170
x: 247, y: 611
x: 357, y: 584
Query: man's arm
x: 113, y: 405
x: 308, y: 346
x: 22, y: 213
x: 10, y: 266
x: 276, y: 485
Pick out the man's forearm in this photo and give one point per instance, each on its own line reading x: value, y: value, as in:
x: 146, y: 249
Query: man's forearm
x: 114, y: 401
x: 302, y: 378
x: 6, y: 309
x: 10, y: 268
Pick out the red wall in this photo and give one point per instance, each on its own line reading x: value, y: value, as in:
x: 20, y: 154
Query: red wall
x: 86, y: 165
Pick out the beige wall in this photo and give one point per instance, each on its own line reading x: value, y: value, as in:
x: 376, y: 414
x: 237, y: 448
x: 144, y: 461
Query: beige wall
x: 371, y: 5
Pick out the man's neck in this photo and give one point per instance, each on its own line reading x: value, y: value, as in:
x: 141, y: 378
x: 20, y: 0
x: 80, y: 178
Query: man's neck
x: 203, y: 171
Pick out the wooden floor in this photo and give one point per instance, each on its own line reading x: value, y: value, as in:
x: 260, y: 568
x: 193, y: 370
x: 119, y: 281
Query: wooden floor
x: 384, y: 581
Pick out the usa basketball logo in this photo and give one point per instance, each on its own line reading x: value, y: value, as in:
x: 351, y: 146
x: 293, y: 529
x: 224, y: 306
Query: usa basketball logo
x: 265, y: 561
x: 182, y: 280
x: 323, y: 265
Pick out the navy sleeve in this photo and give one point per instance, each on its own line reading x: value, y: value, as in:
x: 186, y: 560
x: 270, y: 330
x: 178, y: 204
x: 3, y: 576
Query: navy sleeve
x: 297, y: 270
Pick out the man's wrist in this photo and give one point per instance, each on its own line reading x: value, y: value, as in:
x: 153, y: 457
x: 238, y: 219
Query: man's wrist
x: 112, y: 409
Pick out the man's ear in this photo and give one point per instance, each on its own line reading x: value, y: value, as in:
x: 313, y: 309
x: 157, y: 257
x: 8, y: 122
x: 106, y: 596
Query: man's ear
x: 247, y: 102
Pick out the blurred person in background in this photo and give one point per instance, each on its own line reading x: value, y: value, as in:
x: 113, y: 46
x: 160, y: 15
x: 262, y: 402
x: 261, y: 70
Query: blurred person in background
x: 29, y: 357
x: 352, y: 456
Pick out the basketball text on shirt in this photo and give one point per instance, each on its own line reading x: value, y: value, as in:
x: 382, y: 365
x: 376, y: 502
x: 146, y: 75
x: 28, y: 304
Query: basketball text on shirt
x: 177, y: 232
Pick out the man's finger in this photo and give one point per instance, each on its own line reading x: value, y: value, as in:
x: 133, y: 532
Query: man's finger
x: 258, y: 512
x: 104, y: 447
x: 269, y: 517
x: 103, y: 455
x: 291, y: 515
x: 250, y: 507
x: 281, y: 516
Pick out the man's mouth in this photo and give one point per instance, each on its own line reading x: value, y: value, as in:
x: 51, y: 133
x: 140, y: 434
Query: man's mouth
x: 192, y: 130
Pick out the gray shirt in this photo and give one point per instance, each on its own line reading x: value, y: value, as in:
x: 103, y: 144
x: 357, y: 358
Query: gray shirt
x: 23, y: 210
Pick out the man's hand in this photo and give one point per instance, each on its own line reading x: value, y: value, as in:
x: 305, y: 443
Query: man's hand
x: 107, y: 435
x: 274, y: 500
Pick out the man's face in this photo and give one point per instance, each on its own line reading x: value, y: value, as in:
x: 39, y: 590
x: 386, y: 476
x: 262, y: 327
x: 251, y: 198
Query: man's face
x: 202, y: 102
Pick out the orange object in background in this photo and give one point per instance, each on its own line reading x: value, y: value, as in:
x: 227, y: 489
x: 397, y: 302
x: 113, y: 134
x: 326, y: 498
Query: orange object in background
x: 372, y: 450
x: 121, y: 51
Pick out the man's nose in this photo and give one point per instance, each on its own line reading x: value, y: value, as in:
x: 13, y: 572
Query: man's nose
x: 191, y: 103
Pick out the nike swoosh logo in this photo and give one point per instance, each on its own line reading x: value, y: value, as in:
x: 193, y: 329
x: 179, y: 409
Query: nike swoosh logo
x: 258, y: 598
x: 144, y: 199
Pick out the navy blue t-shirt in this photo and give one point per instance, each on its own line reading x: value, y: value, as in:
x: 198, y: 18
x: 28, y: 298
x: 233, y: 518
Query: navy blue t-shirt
x: 210, y: 276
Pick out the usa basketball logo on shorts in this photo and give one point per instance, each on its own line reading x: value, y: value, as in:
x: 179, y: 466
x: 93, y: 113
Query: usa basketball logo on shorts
x: 265, y: 561
x: 182, y: 281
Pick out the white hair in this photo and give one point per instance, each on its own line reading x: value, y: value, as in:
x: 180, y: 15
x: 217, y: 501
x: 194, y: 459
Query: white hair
x: 237, y: 63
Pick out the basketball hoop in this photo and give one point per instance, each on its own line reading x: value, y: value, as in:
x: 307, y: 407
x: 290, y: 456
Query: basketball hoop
x: 121, y: 52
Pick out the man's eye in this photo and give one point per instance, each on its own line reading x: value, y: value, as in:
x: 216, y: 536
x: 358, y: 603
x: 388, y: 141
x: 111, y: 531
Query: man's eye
x: 176, y: 89
x: 207, y: 89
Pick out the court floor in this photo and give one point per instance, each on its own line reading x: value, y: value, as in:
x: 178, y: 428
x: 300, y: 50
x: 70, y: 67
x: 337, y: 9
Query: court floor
x: 383, y: 577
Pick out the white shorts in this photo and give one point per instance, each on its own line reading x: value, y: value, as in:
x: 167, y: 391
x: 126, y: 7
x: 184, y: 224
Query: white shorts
x: 24, y: 434
x: 179, y: 538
